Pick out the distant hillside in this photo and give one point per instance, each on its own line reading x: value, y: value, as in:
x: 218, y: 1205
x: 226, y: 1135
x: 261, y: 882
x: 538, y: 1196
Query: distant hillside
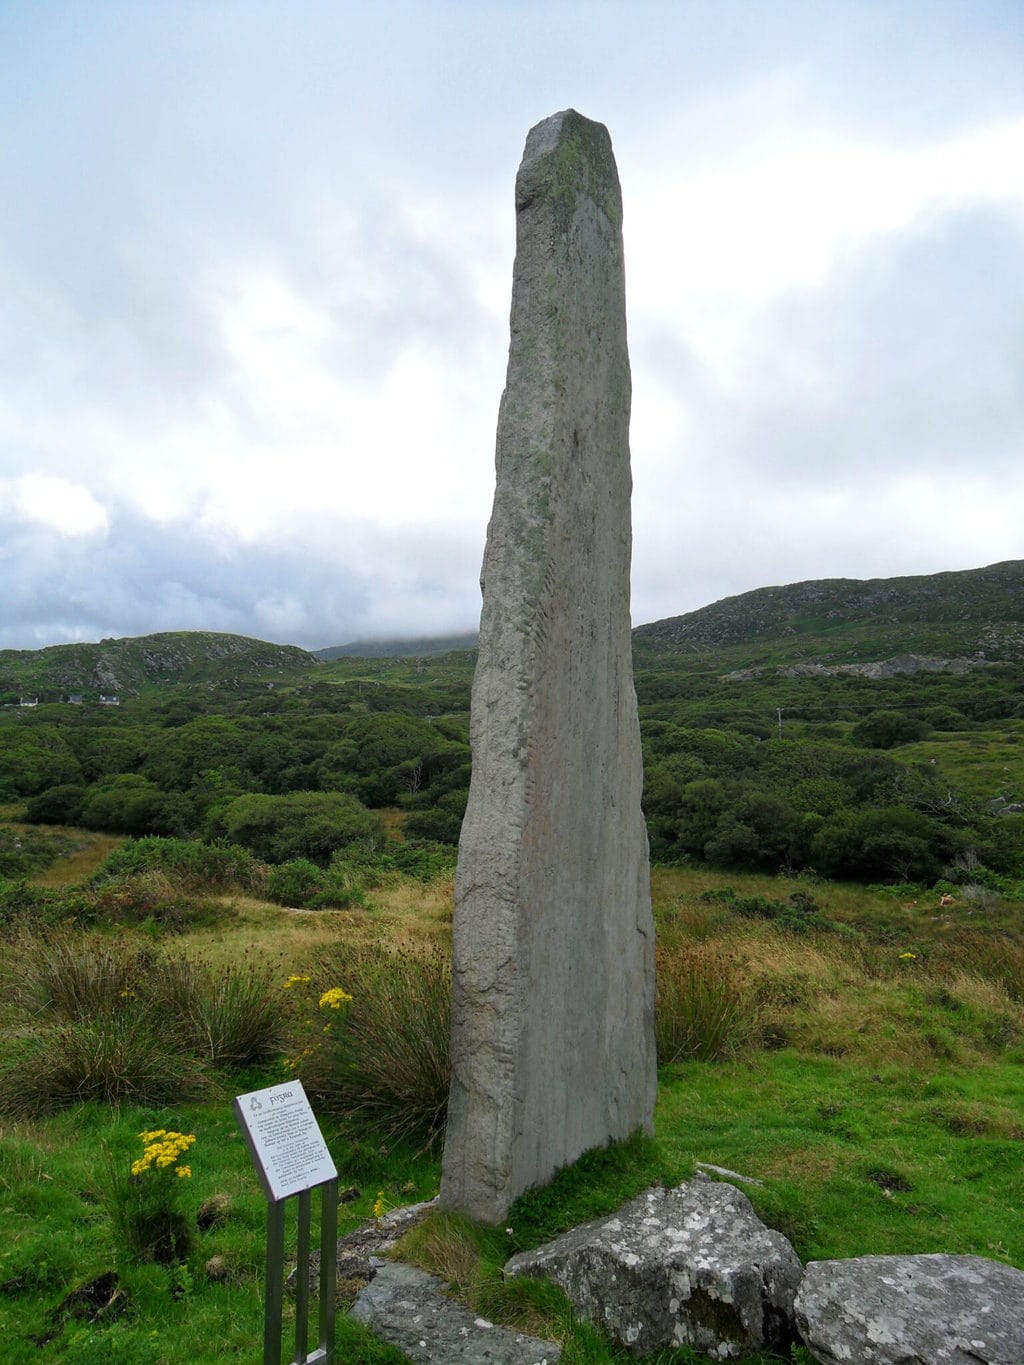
x: 398, y: 649
x: 973, y: 612
x: 125, y: 666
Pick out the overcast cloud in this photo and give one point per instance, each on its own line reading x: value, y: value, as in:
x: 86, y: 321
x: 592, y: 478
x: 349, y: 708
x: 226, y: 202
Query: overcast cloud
x: 255, y: 261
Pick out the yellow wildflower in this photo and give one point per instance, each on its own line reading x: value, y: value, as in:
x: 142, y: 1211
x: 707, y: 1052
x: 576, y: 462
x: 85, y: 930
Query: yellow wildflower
x: 294, y: 980
x: 335, y: 998
x: 379, y: 1206
x: 184, y: 1172
x: 907, y: 957
x: 161, y: 1149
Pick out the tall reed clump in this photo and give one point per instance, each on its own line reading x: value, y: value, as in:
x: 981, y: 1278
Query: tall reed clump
x: 115, y: 1057
x: 228, y: 1016
x: 98, y: 1018
x: 705, y: 1008
x: 387, y: 1066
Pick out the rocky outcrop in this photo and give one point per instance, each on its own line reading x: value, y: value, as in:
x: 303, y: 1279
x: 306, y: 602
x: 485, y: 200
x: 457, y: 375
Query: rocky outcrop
x: 408, y: 1309
x: 899, y: 666
x: 692, y: 1266
x: 553, y: 970
x: 912, y: 1310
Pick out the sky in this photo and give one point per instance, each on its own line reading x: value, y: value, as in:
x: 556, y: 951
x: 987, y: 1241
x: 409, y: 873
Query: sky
x: 255, y: 272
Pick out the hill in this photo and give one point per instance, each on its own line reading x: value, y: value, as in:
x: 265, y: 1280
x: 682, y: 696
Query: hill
x: 126, y: 666
x: 972, y: 612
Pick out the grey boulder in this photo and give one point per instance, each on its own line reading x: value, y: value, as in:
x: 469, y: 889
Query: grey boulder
x: 912, y: 1310
x: 691, y: 1266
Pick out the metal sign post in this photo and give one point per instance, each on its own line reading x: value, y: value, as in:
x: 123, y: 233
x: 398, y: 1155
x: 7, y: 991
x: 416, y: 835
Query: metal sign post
x: 291, y: 1158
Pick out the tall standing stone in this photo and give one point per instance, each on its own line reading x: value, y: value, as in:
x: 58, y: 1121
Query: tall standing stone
x: 553, y: 942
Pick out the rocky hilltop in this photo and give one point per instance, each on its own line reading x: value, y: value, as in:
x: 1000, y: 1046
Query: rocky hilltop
x: 125, y: 666
x: 972, y: 613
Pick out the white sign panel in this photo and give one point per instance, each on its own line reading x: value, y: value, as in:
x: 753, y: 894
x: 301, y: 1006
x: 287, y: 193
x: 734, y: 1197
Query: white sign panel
x: 284, y: 1139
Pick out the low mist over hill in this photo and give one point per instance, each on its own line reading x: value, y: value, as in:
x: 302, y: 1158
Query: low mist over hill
x: 423, y: 646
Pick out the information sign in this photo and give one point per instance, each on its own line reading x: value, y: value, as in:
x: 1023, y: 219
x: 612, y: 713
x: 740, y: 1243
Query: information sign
x: 284, y: 1139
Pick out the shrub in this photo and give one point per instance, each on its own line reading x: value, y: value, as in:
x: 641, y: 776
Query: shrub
x: 890, y: 842
x: 294, y: 882
x: 388, y: 1067
x: 299, y: 882
x: 886, y: 729
x: 190, y: 864
x: 23, y: 906
x: 299, y: 824
x: 57, y: 805
x: 704, y: 1008
x: 798, y: 912
x: 151, y: 898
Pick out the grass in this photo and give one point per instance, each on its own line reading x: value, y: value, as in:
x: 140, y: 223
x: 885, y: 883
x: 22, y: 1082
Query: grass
x: 878, y: 1096
x: 82, y: 863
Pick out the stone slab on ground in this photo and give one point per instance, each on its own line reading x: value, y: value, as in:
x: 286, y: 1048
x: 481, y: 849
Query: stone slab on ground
x: 924, y: 1310
x: 691, y: 1266
x: 360, y: 1253
x: 408, y: 1309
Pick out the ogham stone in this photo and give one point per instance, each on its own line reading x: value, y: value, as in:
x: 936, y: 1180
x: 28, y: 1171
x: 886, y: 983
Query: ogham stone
x: 553, y: 942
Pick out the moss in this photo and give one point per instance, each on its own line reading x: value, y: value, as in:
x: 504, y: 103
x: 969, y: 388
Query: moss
x: 583, y: 163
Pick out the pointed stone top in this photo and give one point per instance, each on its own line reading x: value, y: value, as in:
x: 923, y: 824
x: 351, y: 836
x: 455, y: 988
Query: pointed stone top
x: 568, y: 155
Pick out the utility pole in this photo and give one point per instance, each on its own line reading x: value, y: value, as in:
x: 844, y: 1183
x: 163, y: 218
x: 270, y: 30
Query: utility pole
x: 778, y: 711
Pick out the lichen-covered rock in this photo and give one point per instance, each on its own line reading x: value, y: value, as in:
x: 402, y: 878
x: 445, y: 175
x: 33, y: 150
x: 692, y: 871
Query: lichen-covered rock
x: 408, y: 1309
x: 912, y: 1310
x: 692, y: 1266
x: 553, y: 970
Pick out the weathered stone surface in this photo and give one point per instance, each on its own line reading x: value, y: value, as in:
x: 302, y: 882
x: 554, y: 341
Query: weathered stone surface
x: 360, y: 1253
x: 693, y: 1266
x: 407, y: 1308
x: 912, y: 1310
x: 553, y: 990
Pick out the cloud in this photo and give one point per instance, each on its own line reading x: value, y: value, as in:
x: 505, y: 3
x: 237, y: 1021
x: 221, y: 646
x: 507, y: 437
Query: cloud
x: 317, y: 582
x: 55, y: 503
x: 870, y: 426
x: 256, y: 263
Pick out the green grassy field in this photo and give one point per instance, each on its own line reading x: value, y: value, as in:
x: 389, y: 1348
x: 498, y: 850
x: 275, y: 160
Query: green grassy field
x: 859, y: 1052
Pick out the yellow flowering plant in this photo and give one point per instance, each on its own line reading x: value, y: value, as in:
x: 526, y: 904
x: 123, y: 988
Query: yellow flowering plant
x: 146, y: 1205
x: 315, y: 1015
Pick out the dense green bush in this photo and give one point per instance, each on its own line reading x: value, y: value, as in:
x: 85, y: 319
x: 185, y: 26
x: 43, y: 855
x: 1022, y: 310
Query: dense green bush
x: 886, y: 729
x: 299, y: 825
x: 301, y: 883
x: 892, y: 843
x: 190, y: 864
x: 132, y: 804
x: 60, y: 805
